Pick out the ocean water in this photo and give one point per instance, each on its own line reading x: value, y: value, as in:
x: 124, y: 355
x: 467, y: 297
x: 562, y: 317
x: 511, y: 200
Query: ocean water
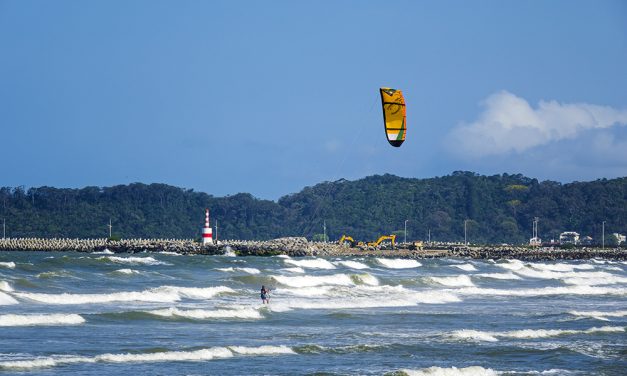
x: 166, y: 314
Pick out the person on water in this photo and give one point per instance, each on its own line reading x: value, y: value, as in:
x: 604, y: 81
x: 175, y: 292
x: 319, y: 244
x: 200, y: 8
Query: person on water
x: 264, y: 295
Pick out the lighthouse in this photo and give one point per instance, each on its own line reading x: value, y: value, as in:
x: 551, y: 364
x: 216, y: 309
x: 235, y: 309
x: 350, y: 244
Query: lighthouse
x: 207, y: 235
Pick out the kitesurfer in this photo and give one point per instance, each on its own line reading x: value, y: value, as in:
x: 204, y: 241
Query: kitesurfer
x: 264, y: 295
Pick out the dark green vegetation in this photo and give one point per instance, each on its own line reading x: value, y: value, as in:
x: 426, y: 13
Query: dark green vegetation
x: 498, y: 208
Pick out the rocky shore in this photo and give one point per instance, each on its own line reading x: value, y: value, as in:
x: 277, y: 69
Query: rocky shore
x: 297, y: 246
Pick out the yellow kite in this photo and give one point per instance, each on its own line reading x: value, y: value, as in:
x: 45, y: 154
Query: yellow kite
x: 394, y: 115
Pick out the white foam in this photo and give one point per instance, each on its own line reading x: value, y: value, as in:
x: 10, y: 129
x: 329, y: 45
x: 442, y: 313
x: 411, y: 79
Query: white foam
x: 609, y: 280
x: 455, y: 281
x: 245, y: 270
x: 473, y: 335
x: 202, y: 314
x: 311, y: 263
x: 6, y: 299
x: 133, y: 260
x: 561, y: 267
x: 127, y: 271
x: 398, y: 263
x: 10, y: 265
x: 296, y: 269
x: 105, y: 252
x: 310, y: 281
x: 477, y: 335
x: 261, y: 350
x: 466, y: 267
x: 166, y: 356
x: 5, y: 286
x: 353, y: 264
x: 163, y: 294
x: 508, y: 275
x: 363, y: 297
x: 366, y: 279
x: 283, y: 256
x: 545, y: 291
x: 599, y: 315
x: 305, y: 291
x: 453, y: 371
x: 41, y: 320
x: 544, y: 333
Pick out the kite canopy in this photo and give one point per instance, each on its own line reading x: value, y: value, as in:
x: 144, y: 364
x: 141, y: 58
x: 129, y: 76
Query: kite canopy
x: 394, y: 115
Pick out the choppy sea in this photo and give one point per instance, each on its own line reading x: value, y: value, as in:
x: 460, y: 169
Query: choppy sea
x: 167, y: 314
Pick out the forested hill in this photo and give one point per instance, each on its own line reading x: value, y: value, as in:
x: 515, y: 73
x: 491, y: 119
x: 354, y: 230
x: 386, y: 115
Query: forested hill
x: 497, y: 208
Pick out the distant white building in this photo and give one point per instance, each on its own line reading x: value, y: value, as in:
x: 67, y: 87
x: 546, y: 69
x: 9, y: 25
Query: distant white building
x: 621, y: 238
x: 535, y: 242
x: 569, y: 237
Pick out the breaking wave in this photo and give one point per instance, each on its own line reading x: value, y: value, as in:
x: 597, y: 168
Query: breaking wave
x: 353, y: 264
x: 163, y: 294
x: 10, y: 265
x: 503, y: 276
x: 165, y: 356
x: 545, y: 291
x: 6, y: 299
x: 466, y: 267
x: 133, y: 260
x: 398, y: 263
x: 455, y: 281
x: 312, y: 263
x: 245, y: 270
x: 5, y: 286
x: 603, y: 316
x: 310, y: 281
x: 41, y: 320
x: 362, y: 297
x: 126, y: 271
x: 296, y: 269
x: 202, y: 314
x: 476, y: 335
x: 453, y: 371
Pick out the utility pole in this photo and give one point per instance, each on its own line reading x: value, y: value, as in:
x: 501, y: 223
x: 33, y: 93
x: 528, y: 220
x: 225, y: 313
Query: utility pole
x: 603, y: 236
x: 110, y: 228
x: 406, y: 231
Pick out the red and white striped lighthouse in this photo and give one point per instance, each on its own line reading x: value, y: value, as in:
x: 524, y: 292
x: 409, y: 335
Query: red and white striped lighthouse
x: 207, y: 233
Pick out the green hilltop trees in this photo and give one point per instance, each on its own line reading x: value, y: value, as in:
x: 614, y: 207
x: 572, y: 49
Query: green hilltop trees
x: 498, y: 209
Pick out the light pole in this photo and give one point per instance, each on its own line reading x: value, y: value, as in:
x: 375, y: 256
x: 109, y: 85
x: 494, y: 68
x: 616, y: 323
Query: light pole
x: 4, y: 227
x: 110, y: 228
x: 406, y: 231
x: 429, y: 236
x: 324, y: 225
x: 603, y: 236
x: 216, y: 230
x: 465, y: 239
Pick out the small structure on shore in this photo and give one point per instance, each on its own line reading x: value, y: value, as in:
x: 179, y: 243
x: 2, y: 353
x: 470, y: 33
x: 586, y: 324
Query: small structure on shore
x: 207, y: 233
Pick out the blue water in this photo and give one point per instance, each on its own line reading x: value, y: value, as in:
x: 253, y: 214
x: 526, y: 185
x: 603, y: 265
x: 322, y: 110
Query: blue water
x: 93, y: 314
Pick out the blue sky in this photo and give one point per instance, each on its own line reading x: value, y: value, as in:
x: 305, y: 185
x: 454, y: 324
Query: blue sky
x: 270, y: 97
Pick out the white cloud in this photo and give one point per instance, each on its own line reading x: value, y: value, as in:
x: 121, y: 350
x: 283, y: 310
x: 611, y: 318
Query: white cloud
x: 510, y: 125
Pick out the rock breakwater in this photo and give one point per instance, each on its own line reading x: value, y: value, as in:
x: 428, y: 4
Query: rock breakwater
x: 299, y: 246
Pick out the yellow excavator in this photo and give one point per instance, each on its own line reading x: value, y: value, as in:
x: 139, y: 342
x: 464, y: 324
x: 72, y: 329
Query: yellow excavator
x: 391, y: 238
x: 347, y: 241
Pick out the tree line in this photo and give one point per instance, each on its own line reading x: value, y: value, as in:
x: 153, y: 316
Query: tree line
x: 495, y: 209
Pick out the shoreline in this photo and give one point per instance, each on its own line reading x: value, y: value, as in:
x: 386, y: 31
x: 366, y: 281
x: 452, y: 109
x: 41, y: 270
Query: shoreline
x: 298, y: 247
